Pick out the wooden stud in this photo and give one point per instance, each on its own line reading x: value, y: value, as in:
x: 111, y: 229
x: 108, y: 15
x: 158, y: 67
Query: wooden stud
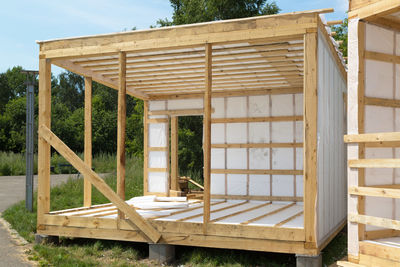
x: 121, y: 129
x: 145, y: 147
x: 44, y: 155
x: 257, y: 119
x: 258, y: 198
x: 257, y: 171
x: 310, y: 136
x: 207, y: 135
x: 87, y: 187
x: 257, y: 145
x: 99, y: 183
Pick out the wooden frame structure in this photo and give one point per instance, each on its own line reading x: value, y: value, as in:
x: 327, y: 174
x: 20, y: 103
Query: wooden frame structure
x: 373, y: 134
x: 266, y: 56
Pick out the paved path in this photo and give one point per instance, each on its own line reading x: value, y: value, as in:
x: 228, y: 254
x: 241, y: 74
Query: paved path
x: 12, y: 190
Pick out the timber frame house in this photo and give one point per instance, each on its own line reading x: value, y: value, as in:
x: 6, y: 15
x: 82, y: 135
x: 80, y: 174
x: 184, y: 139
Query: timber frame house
x: 373, y: 133
x: 280, y: 187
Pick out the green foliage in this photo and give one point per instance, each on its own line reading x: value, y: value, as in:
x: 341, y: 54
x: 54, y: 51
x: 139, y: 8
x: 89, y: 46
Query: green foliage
x: 341, y: 35
x: 193, y: 11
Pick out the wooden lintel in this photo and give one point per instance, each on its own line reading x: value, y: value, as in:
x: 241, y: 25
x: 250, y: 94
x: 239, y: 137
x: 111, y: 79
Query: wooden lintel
x: 372, y: 138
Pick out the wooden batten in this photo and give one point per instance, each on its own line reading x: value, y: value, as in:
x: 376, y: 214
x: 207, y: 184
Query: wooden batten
x: 174, y: 154
x: 121, y: 128
x: 87, y: 188
x: 44, y: 155
x: 207, y: 135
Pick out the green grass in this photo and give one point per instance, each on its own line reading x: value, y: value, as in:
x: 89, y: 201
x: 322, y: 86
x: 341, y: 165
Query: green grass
x: 87, y: 252
x: 14, y: 163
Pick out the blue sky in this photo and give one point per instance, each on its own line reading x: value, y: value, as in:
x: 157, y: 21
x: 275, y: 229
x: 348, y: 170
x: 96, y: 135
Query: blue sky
x: 25, y: 21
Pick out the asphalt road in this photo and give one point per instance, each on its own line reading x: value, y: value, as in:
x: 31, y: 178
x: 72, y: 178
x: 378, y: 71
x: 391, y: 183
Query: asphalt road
x: 12, y: 190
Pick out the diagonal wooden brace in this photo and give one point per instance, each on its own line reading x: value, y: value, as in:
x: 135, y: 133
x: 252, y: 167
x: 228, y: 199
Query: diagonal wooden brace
x: 69, y: 155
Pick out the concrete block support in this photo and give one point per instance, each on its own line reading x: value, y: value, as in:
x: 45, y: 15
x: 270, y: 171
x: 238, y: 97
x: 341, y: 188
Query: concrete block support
x: 308, y: 261
x: 162, y: 253
x: 46, y: 239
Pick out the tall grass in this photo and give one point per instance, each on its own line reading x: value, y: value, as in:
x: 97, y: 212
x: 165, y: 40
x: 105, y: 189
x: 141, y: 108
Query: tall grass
x: 14, y: 163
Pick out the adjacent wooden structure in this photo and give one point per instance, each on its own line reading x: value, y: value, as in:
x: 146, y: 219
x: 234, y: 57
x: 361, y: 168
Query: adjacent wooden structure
x: 270, y: 89
x: 373, y: 133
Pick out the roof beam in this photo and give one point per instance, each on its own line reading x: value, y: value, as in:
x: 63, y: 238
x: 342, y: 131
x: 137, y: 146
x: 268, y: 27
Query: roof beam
x: 68, y: 65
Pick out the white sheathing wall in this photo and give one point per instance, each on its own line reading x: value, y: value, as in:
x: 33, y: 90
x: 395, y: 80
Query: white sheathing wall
x: 241, y: 133
x: 257, y: 158
x: 382, y: 80
x: 331, y: 151
x: 158, y: 181
x: 352, y: 128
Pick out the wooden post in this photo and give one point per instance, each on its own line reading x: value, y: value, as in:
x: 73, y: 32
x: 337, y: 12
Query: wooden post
x: 121, y: 129
x: 361, y: 120
x: 310, y: 138
x: 207, y: 135
x: 87, y: 188
x: 145, y: 147
x: 43, y: 205
x: 174, y: 154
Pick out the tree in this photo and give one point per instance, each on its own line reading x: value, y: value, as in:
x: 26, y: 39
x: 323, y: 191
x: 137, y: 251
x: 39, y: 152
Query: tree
x: 194, y: 11
x: 341, y: 35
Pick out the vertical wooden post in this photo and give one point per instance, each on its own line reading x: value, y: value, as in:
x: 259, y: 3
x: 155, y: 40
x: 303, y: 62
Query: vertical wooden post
x: 174, y: 154
x: 310, y: 138
x: 43, y: 205
x: 207, y: 134
x: 145, y: 147
x: 87, y: 186
x: 121, y: 128
x: 361, y: 120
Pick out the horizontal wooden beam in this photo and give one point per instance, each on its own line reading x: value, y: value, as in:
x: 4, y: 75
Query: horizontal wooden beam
x: 235, y: 74
x: 382, y: 57
x: 179, y: 112
x: 226, y: 93
x: 374, y: 163
x: 373, y: 10
x: 374, y: 192
x: 197, y: 68
x: 257, y: 119
x: 334, y: 22
x: 246, y: 171
x: 381, y: 251
x: 375, y: 221
x: 257, y: 145
x: 382, y: 102
x: 258, y: 198
x: 99, y: 183
x: 372, y: 138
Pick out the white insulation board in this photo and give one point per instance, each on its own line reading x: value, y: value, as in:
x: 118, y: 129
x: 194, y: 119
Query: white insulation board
x: 382, y: 80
